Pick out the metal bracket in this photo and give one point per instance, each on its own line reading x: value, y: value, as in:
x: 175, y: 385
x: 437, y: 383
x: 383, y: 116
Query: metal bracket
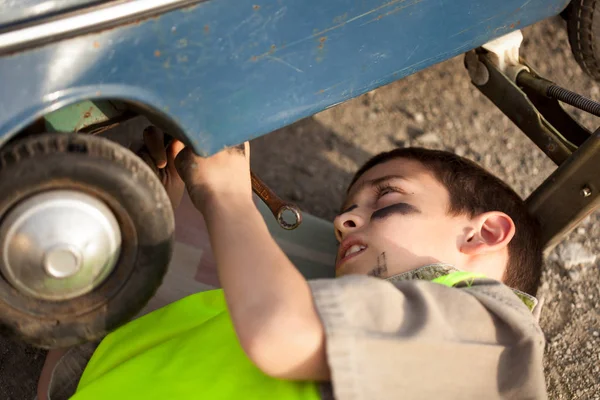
x: 570, y: 194
x: 573, y: 190
x: 513, y: 102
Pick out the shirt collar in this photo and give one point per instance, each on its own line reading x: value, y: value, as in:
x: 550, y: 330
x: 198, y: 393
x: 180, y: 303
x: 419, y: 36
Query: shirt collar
x: 432, y: 271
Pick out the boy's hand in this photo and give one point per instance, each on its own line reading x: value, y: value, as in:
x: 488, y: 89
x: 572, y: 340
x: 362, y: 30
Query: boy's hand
x: 219, y: 178
x: 162, y: 161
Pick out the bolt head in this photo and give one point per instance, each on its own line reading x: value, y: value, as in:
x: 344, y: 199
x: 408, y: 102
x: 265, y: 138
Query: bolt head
x: 586, y: 191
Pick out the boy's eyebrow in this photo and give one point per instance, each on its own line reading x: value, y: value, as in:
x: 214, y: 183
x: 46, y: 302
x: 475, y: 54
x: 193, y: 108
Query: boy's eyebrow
x: 371, y: 183
x: 377, y: 181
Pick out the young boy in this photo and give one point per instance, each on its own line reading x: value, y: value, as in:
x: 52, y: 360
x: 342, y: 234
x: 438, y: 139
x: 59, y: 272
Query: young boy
x: 417, y: 310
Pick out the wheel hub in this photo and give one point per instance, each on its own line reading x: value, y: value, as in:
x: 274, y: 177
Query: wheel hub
x: 58, y: 245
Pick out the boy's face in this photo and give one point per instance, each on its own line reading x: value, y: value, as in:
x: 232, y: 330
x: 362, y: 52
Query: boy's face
x: 395, y: 219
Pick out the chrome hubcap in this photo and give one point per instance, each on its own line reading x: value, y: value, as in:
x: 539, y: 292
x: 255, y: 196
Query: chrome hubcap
x: 59, y: 245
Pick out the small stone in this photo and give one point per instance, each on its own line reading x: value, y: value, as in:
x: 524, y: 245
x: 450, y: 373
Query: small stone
x: 419, y: 117
x: 414, y: 131
x: 460, y: 151
x: 596, y: 334
x: 581, y: 230
x: 589, y: 346
x: 429, y: 138
x: 487, y: 160
x: 449, y: 125
x: 570, y: 254
x: 574, y: 275
x: 372, y: 116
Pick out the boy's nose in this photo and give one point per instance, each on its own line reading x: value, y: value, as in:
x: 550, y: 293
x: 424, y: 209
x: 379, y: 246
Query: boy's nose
x: 347, y: 223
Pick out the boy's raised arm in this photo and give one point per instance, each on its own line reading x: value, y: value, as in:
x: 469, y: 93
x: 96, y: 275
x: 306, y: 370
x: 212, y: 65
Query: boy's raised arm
x: 270, y: 302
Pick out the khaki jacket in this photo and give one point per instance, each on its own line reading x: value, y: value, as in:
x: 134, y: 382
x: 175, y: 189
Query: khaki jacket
x: 408, y: 338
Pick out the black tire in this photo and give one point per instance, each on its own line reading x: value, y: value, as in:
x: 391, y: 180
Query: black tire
x: 142, y: 208
x: 583, y: 26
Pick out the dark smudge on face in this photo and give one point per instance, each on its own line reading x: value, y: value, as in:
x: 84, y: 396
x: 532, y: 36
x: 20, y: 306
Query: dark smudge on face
x: 381, y: 268
x: 399, y: 208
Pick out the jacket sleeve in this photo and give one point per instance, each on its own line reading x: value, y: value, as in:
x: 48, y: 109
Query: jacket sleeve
x: 422, y: 340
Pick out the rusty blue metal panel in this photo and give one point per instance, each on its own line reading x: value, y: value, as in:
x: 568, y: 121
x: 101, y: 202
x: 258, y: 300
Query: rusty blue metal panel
x: 229, y: 70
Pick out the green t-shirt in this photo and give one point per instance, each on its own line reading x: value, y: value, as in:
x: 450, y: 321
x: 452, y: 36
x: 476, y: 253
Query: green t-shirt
x: 186, y: 350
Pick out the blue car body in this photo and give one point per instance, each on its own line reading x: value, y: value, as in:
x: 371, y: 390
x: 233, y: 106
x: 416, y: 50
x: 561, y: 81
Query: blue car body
x: 219, y: 72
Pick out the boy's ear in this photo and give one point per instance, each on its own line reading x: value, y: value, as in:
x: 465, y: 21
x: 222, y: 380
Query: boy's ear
x: 489, y: 232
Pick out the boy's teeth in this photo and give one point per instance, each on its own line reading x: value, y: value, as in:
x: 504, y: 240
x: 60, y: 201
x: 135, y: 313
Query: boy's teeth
x: 354, y: 249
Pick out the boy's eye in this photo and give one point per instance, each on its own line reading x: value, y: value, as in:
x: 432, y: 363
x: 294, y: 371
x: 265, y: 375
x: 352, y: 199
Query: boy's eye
x: 383, y: 190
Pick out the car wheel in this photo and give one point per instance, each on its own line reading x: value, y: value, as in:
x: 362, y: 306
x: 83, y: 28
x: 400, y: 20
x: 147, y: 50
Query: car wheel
x: 86, y: 235
x: 583, y: 26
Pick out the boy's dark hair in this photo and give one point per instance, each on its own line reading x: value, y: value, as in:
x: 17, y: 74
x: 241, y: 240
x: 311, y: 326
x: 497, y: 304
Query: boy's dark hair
x: 474, y: 191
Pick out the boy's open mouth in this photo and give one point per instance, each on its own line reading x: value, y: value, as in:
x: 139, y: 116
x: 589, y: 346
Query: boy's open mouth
x: 349, y: 249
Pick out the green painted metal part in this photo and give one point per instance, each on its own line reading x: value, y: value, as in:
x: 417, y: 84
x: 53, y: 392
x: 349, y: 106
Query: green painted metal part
x: 85, y: 114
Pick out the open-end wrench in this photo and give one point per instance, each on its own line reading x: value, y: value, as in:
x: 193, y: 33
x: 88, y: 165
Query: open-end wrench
x: 277, y: 206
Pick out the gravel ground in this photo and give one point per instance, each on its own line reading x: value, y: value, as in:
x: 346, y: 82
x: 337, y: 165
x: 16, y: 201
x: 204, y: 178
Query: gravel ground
x: 311, y: 162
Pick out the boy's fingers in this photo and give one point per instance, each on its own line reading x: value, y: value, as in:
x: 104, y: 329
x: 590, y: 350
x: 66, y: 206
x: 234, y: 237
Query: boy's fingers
x: 154, y: 141
x: 174, y: 149
x: 184, y: 161
x: 148, y: 160
x: 172, y: 152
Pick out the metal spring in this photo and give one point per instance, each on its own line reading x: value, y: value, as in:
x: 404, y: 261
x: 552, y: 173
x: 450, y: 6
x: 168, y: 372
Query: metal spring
x: 574, y: 99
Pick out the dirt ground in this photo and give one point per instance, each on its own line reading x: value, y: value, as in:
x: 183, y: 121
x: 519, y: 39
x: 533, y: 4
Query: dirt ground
x: 311, y: 162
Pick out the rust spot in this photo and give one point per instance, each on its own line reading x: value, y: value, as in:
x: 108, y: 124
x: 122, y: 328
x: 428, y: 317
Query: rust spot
x: 512, y: 26
x: 381, y: 16
x: 273, y: 48
x: 322, y: 42
x: 322, y: 91
x: 254, y: 58
x: 156, y: 53
x: 206, y: 28
x: 518, y: 23
x: 256, y: 7
x: 96, y: 45
x: 88, y: 113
